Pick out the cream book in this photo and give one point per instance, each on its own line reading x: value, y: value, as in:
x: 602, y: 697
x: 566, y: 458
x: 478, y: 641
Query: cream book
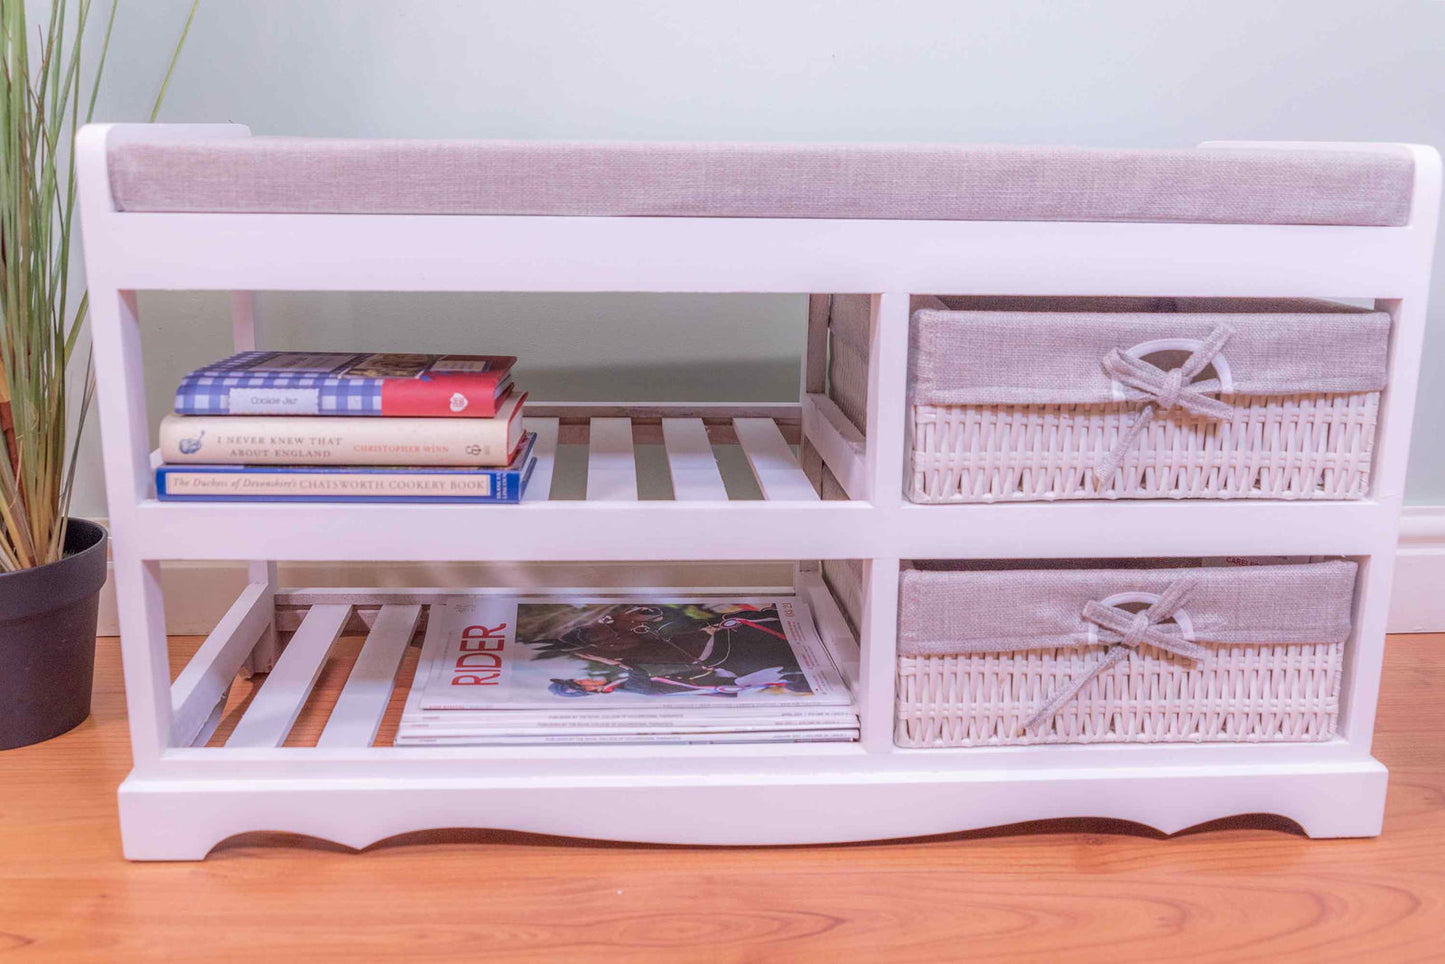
x: 322, y: 440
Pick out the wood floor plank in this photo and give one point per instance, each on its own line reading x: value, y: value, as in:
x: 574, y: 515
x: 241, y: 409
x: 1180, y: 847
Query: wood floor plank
x: 1077, y: 891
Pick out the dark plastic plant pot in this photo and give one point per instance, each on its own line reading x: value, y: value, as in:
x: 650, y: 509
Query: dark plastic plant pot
x: 47, y: 640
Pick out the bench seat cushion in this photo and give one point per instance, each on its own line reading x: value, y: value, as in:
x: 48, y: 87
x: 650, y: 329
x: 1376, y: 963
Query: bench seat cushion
x: 876, y: 181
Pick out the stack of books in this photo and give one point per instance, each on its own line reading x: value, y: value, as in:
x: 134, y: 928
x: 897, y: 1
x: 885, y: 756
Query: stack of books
x: 506, y: 671
x: 285, y: 426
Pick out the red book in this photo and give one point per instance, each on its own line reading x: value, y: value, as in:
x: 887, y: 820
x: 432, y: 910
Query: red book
x: 348, y: 383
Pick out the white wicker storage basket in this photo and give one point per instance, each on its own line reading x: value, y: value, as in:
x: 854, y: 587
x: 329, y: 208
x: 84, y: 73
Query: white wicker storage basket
x: 1041, y: 399
x: 1008, y: 657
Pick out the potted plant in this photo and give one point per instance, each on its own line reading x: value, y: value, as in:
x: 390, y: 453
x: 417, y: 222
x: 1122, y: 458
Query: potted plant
x: 51, y: 566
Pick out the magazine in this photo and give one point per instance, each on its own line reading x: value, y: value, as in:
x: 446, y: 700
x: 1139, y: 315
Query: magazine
x: 606, y: 654
x: 726, y: 717
x: 774, y: 736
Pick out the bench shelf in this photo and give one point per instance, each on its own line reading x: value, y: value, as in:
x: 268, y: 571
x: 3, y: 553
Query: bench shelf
x: 282, y: 719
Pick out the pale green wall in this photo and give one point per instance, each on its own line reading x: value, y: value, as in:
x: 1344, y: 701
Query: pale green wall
x: 1147, y: 73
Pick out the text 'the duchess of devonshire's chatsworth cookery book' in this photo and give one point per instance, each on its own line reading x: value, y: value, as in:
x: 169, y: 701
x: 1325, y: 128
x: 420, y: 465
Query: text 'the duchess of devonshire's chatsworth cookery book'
x: 347, y: 483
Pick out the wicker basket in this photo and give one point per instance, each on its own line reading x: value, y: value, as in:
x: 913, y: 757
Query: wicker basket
x: 1041, y: 399
x: 1009, y: 657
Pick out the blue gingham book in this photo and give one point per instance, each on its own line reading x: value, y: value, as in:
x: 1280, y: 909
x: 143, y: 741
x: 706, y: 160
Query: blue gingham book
x: 347, y: 383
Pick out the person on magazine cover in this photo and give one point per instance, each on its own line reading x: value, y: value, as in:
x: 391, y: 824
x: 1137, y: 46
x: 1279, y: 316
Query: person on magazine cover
x: 657, y: 652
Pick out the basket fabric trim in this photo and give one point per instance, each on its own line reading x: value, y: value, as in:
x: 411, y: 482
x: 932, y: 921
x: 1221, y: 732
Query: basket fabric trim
x: 1131, y: 630
x: 1042, y: 357
x: 1164, y: 391
x: 951, y: 612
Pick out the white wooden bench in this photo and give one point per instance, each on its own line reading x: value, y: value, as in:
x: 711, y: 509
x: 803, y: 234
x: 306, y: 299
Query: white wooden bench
x: 211, y: 208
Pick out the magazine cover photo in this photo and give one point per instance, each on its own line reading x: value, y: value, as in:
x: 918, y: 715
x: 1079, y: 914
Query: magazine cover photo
x: 726, y: 650
x: 610, y: 653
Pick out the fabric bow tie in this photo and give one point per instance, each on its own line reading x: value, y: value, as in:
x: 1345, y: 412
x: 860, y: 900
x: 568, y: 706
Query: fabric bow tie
x: 1166, y: 390
x: 1130, y: 631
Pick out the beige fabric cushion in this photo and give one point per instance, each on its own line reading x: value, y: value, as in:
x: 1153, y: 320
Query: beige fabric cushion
x: 913, y: 182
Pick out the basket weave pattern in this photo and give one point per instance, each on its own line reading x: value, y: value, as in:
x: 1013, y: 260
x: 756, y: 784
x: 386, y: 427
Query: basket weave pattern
x: 1304, y: 446
x: 1240, y: 693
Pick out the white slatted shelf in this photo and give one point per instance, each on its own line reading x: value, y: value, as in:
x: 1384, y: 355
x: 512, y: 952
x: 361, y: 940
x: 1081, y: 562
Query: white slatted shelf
x: 354, y: 714
x: 687, y: 434
x: 789, y: 522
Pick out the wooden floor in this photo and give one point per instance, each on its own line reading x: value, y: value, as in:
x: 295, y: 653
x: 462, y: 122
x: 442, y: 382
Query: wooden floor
x: 1249, y: 890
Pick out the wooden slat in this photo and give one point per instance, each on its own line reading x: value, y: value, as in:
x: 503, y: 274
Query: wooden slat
x: 691, y: 461
x: 357, y: 714
x: 611, y: 469
x: 539, y: 486
x: 203, y: 684
x: 777, y: 471
x: 269, y: 717
x: 838, y: 441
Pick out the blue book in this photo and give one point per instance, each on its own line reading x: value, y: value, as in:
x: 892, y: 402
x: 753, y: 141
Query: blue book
x: 348, y: 383
x: 347, y: 483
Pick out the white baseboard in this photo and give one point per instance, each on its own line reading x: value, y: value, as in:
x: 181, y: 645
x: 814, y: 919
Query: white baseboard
x: 198, y: 593
x: 1417, y: 604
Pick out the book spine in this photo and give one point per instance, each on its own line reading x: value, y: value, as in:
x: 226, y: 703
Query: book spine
x: 245, y: 484
x: 259, y: 440
x: 450, y: 396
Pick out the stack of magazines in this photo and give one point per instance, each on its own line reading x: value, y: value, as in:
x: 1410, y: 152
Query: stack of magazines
x: 507, y: 671
x: 288, y: 426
